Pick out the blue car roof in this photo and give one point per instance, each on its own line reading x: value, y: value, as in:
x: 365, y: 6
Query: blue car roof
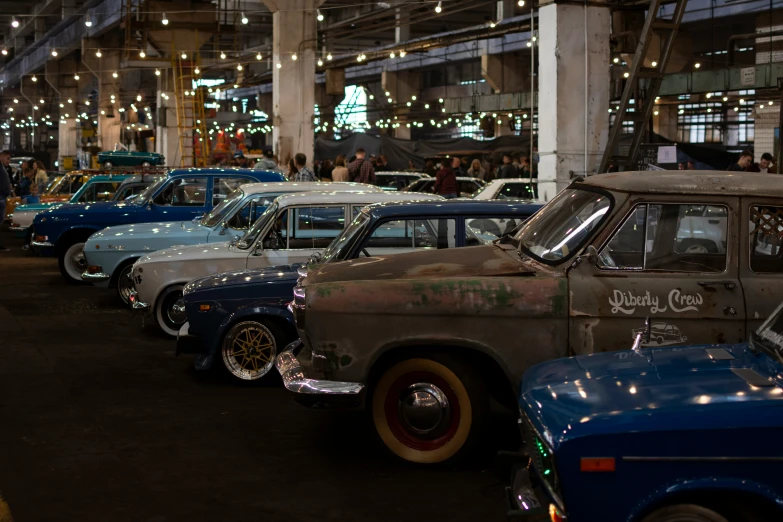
x: 108, y: 177
x: 190, y: 171
x: 457, y: 208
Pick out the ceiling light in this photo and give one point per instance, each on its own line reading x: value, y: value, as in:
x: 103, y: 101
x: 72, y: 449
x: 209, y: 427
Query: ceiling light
x: 14, y: 23
x: 138, y: 97
x: 244, y: 19
x: 239, y: 67
x: 98, y: 53
x: 319, y: 15
x: 655, y: 64
x: 70, y: 100
x: 279, y: 65
x: 16, y: 100
x: 770, y: 102
x: 196, y: 71
x: 530, y: 44
x: 164, y: 21
x: 76, y: 76
x: 725, y: 98
x: 222, y: 55
x: 492, y: 24
x: 54, y: 52
x: 157, y: 72
x: 5, y: 51
x: 87, y: 21
x: 697, y: 65
x: 402, y: 54
x: 184, y: 55
x: 114, y: 74
x: 439, y: 7
x: 142, y: 54
x: 320, y: 62
x: 41, y: 101
x: 392, y: 55
x: 626, y: 75
x: 329, y: 57
x: 258, y: 56
x: 294, y: 57
x: 616, y: 60
x: 521, y: 3
x: 34, y: 78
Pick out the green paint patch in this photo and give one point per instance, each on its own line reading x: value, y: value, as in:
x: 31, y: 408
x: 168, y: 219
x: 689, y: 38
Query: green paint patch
x: 325, y: 290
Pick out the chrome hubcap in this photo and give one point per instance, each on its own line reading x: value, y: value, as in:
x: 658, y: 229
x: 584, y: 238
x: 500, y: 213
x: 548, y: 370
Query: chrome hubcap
x: 424, y: 409
x: 176, y: 311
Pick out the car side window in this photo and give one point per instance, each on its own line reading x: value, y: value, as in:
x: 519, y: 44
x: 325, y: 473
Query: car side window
x: 315, y: 227
x: 104, y: 191
x: 184, y: 192
x: 766, y: 239
x: 406, y: 235
x: 250, y: 211
x: 515, y: 191
x: 671, y: 237
x: 489, y: 228
x: 222, y: 187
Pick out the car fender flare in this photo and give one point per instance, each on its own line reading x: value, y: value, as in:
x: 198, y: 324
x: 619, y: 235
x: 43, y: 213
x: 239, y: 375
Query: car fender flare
x: 74, y: 228
x: 245, y: 312
x: 684, y: 487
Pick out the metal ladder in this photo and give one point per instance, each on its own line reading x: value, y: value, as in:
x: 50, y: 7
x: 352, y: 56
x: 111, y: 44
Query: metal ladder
x: 644, y: 83
x: 191, y: 118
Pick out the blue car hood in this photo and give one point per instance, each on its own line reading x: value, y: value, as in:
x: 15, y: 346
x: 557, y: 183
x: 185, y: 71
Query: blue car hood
x: 621, y: 392
x: 70, y: 209
x: 260, y: 276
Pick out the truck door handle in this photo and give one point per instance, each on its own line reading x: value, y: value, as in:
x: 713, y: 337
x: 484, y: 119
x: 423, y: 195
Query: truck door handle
x: 730, y: 285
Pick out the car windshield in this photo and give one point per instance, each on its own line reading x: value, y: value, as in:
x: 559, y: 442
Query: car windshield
x: 482, y: 189
x: 342, y: 245
x: 149, y: 191
x: 560, y: 229
x: 252, y: 233
x: 220, y: 213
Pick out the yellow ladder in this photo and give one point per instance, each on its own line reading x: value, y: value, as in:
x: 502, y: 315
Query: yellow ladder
x: 191, y: 118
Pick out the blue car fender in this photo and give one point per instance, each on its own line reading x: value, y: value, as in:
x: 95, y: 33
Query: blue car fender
x: 685, y: 487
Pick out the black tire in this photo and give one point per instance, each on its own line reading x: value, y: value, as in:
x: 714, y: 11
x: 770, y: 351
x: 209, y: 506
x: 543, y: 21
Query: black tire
x: 685, y: 513
x: 261, y: 340
x: 124, y: 281
x: 660, y: 340
x: 439, y: 396
x: 169, y: 318
x: 70, y: 260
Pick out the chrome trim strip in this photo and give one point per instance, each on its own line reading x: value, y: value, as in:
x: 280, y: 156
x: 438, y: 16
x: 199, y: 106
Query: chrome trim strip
x: 703, y: 459
x: 44, y: 244
x: 100, y: 276
x: 18, y: 229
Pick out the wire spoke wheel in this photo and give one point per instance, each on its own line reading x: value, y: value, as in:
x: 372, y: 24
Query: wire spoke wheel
x: 249, y: 350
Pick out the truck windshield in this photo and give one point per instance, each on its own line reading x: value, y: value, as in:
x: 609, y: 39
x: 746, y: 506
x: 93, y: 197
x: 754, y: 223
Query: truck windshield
x: 149, y: 191
x: 221, y: 212
x: 261, y: 223
x: 563, y: 226
x: 342, y: 245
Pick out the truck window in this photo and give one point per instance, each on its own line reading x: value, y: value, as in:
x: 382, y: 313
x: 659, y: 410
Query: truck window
x: 407, y: 235
x: 766, y: 233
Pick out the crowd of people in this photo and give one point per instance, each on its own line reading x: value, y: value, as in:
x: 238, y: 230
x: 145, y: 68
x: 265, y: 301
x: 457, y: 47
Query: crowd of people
x: 746, y: 163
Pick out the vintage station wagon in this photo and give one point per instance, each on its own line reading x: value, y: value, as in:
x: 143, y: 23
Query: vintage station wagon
x: 435, y: 334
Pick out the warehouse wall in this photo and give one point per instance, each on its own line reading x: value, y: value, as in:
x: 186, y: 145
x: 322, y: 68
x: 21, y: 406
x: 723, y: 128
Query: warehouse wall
x: 766, y: 122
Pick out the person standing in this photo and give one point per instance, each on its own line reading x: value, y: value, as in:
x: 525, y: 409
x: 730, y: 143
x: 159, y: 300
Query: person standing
x: 744, y: 161
x: 265, y: 163
x: 303, y: 173
x: 292, y: 170
x: 429, y: 168
x: 326, y: 170
x: 23, y: 189
x: 508, y: 170
x: 446, y: 182
x: 382, y: 164
x: 456, y: 166
x: 765, y: 163
x: 340, y: 173
x: 41, y: 177
x: 476, y: 170
x: 5, y: 187
x: 361, y: 170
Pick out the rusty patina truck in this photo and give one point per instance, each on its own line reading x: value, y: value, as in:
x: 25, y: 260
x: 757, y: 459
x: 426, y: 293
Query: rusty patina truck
x: 425, y: 339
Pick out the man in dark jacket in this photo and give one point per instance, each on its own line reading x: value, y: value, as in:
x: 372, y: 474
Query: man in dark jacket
x: 745, y: 159
x: 508, y: 170
x: 446, y: 183
x: 5, y: 187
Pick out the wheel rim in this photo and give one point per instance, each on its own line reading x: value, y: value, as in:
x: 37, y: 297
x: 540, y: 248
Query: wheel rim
x: 174, y: 312
x: 125, y: 283
x: 75, y: 263
x: 249, y: 351
x: 422, y: 411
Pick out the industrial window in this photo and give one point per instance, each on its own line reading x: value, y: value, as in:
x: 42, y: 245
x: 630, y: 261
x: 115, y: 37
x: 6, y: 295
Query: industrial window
x: 675, y: 238
x: 352, y: 111
x: 766, y: 239
x: 700, y: 123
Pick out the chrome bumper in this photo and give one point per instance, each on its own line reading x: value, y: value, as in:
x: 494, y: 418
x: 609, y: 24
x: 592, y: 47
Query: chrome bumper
x: 42, y: 244
x: 136, y: 305
x: 315, y: 393
x: 17, y: 228
x: 100, y: 276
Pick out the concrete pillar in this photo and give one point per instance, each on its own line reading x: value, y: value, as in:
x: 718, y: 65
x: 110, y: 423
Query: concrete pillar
x: 67, y: 138
x: 507, y: 72
x: 109, y: 121
x: 59, y: 75
x: 505, y: 9
x: 573, y: 92
x: 166, y: 132
x: 402, y: 33
x: 665, y: 122
x: 293, y: 81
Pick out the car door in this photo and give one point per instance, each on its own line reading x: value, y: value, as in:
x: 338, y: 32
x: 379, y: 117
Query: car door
x: 658, y: 264
x: 298, y: 233
x: 181, y: 199
x: 761, y: 261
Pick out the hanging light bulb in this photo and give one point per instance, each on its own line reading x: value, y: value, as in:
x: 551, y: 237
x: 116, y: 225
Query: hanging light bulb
x: 157, y: 72
x: 329, y: 57
x: 164, y: 21
x: 184, y: 55
x: 294, y: 57
x: 222, y: 55
x: 320, y: 62
x: 70, y: 100
x: 5, y: 51
x: 16, y: 100
x: 54, y: 52
x: 114, y: 74
x: 439, y: 8
x: 402, y: 54
x: 319, y: 15
x: 492, y: 24
x: 41, y: 101
x: 392, y: 55
x: 138, y: 97
x: 244, y: 19
x: 76, y: 76
x: 521, y: 3
x: 87, y: 21
x: 14, y: 23
x: 258, y: 56
x: 239, y: 67
x: 98, y: 53
x: 142, y: 54
x: 34, y: 78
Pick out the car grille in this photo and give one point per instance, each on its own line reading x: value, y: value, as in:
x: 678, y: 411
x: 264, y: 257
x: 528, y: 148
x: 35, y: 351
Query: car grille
x: 543, y: 460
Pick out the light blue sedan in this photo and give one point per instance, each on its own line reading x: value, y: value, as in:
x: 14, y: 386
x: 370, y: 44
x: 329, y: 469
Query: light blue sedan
x: 110, y: 253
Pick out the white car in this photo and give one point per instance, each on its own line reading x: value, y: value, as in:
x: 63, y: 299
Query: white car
x: 291, y: 230
x: 110, y: 253
x: 508, y: 188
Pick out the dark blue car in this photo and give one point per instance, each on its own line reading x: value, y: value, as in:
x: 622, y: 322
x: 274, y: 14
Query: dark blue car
x: 182, y: 195
x: 656, y: 435
x: 242, y: 318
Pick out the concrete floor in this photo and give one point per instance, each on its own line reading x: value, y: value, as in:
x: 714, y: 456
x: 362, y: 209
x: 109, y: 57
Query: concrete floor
x: 99, y: 421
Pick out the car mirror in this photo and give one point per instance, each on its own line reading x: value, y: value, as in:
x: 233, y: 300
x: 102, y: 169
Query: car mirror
x: 591, y: 253
x: 223, y: 228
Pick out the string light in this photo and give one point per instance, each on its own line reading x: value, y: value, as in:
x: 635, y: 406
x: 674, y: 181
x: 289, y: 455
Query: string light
x: 239, y: 67
x: 5, y: 51
x: 279, y: 65
x: 439, y: 8
x: 98, y: 53
x: 87, y: 21
x: 196, y: 70
x: 244, y: 19
x: 157, y: 72
x: 76, y: 76
x: 164, y: 21
x: 142, y: 54
x: 320, y: 62
x: 319, y: 15
x: 294, y: 57
x: 697, y: 65
x: 492, y: 24
x: 14, y: 23
x: 54, y: 52
x: 222, y: 55
x: 329, y: 57
x: 184, y: 55
x: 258, y: 56
x: 115, y: 75
x: 402, y: 54
x: 392, y: 55
x: 655, y: 64
x: 34, y: 78
x: 521, y: 3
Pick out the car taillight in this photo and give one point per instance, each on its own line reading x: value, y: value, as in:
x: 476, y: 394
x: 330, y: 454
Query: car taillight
x: 94, y: 269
